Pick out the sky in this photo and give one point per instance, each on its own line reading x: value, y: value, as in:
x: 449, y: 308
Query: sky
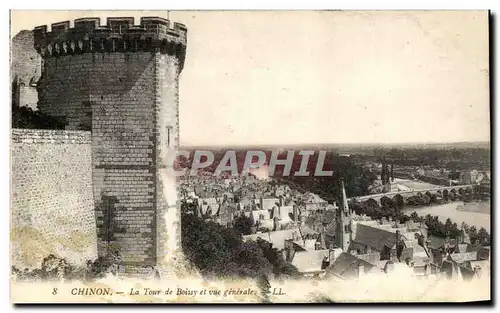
x: 306, y: 77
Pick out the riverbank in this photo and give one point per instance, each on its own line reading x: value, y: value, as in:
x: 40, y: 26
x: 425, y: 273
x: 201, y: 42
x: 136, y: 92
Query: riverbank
x: 470, y: 215
x: 482, y: 207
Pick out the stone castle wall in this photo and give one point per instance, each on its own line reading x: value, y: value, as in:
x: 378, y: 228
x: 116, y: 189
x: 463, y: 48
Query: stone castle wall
x: 25, y: 69
x: 121, y: 82
x: 167, y: 140
x: 25, y: 61
x: 51, y: 197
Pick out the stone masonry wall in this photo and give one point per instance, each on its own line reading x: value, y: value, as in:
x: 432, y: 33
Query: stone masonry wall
x: 123, y: 147
x: 25, y: 71
x: 52, y: 210
x: 167, y: 141
x: 25, y: 61
x: 113, y: 94
x: 110, y: 79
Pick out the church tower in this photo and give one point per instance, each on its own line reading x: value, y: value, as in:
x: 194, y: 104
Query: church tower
x: 343, y: 229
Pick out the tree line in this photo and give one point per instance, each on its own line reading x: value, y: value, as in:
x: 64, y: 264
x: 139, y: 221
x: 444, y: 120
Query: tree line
x: 434, y: 225
x: 218, y: 251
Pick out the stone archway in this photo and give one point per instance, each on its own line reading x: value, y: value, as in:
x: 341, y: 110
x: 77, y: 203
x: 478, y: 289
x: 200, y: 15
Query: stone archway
x: 445, y: 194
x: 468, y: 193
x: 385, y: 201
x: 452, y: 195
x: 432, y: 196
x: 372, y: 203
x: 399, y: 201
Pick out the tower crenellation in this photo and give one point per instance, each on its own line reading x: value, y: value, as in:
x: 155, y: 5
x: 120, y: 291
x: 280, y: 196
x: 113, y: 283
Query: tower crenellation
x: 118, y: 35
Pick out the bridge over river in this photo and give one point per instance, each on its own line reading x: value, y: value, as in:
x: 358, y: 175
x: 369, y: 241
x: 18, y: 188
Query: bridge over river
x: 403, y: 195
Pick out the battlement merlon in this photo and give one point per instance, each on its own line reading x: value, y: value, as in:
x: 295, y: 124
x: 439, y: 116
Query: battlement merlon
x: 118, y: 35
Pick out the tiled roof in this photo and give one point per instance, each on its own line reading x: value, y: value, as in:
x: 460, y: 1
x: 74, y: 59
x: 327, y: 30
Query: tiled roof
x: 213, y: 209
x: 328, y: 217
x: 277, y: 238
x: 374, y: 238
x: 346, y: 266
x: 418, y: 250
x: 483, y: 264
x: 285, y: 212
x: 256, y: 214
x: 372, y: 258
x: 438, y: 242
x: 454, y: 270
x: 309, y: 261
x: 464, y: 257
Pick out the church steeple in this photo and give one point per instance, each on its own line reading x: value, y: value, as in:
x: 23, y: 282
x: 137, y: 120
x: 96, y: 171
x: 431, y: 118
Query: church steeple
x: 343, y: 229
x: 345, y: 204
x: 464, y: 237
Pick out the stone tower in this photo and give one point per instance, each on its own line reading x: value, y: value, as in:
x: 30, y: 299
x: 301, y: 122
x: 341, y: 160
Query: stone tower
x: 121, y: 82
x: 25, y: 70
x: 343, y: 228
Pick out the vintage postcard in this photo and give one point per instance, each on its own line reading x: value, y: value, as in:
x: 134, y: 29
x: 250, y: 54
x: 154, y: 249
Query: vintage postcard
x: 250, y: 157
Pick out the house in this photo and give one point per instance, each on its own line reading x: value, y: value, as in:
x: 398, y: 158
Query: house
x: 279, y: 237
x: 438, y: 247
x: 347, y: 267
x: 461, y: 258
x: 452, y: 270
x: 311, y: 263
x: 368, y: 239
x: 209, y: 201
x: 480, y: 267
x: 210, y: 209
x: 260, y: 215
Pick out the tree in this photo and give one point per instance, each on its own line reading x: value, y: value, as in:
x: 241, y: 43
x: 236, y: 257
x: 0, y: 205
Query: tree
x: 250, y: 260
x: 414, y: 216
x: 243, y: 225
x: 426, y: 199
x: 483, y: 236
x: 473, y: 233
x: 265, y: 287
x: 280, y: 266
x: 454, y: 175
x: 25, y: 117
x: 219, y: 251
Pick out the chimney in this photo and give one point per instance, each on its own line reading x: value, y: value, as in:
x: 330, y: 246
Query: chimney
x: 231, y: 214
x: 295, y: 213
x: 289, y: 251
x: 477, y: 270
x: 361, y: 271
x: 398, y: 244
x: 392, y: 172
x: 317, y: 245
x: 275, y: 224
x: 302, y: 220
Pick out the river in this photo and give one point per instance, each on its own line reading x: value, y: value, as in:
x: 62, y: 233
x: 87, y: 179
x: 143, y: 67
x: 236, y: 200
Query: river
x: 449, y: 210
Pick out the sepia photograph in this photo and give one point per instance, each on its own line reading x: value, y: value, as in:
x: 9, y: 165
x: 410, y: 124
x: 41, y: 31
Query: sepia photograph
x: 321, y: 156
